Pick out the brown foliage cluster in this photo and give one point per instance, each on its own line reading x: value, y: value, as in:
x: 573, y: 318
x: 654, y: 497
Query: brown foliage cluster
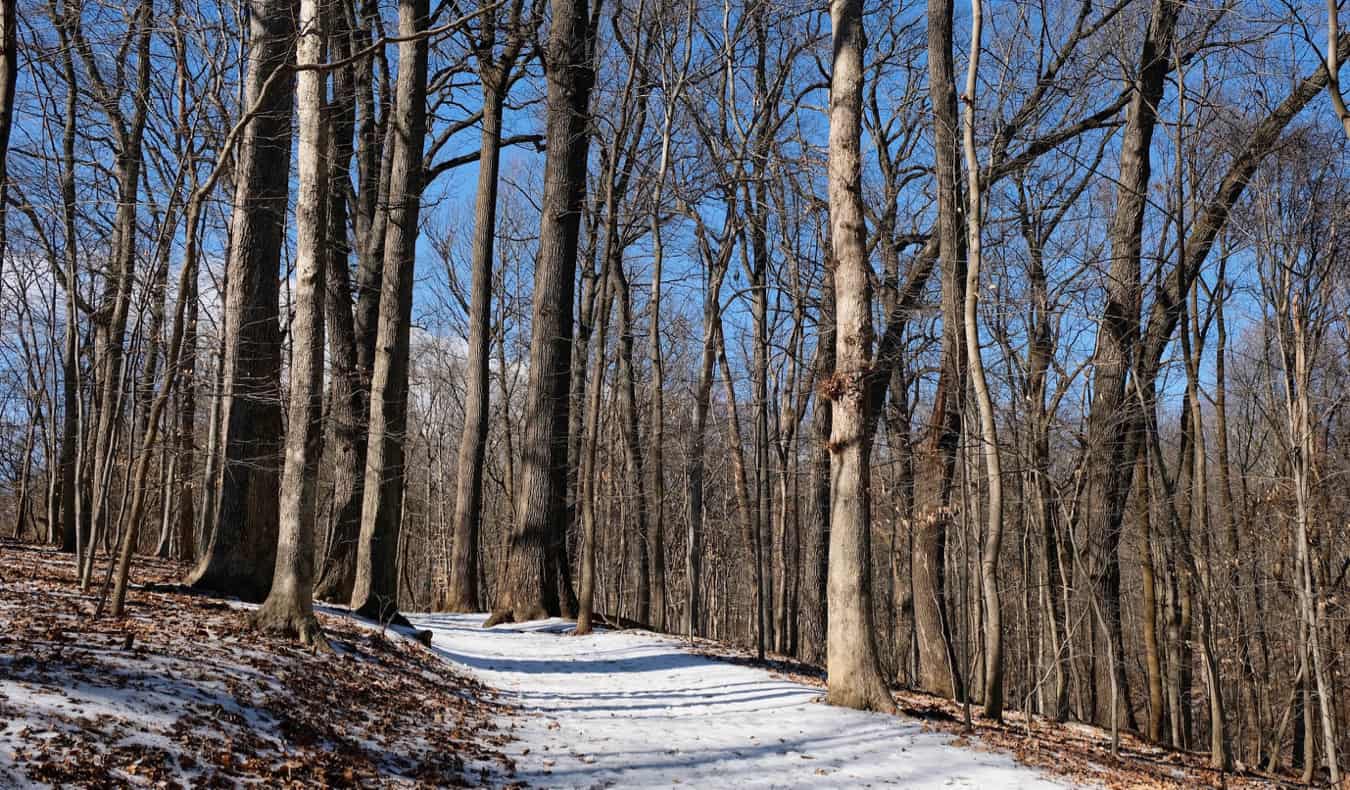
x: 236, y: 706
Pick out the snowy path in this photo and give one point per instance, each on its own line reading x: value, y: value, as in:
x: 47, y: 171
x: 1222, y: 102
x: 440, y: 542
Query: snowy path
x: 634, y: 709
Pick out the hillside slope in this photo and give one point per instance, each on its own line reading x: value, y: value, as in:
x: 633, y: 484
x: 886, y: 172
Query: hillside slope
x: 181, y: 693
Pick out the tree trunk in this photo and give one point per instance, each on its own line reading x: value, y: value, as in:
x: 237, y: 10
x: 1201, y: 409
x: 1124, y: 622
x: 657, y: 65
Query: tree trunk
x: 855, y: 678
x: 993, y: 541
x: 939, y: 671
x: 375, y: 590
x: 348, y: 383
x: 462, y: 595
x: 289, y: 608
x: 586, y: 483
x: 241, y: 552
x: 533, y: 585
x: 1109, y: 466
x: 9, y: 74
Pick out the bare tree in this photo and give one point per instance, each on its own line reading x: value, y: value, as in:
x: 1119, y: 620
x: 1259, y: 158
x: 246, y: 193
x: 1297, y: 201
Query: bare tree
x: 537, y: 542
x: 855, y: 678
x: 375, y: 590
x: 289, y: 608
x: 241, y: 550
x: 495, y: 72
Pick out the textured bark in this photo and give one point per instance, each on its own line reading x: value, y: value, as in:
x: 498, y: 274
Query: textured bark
x: 375, y: 591
x: 348, y: 384
x: 854, y: 671
x: 289, y: 608
x: 9, y: 74
x: 462, y: 594
x: 1109, y: 465
x: 939, y: 672
x: 533, y: 580
x: 240, y: 555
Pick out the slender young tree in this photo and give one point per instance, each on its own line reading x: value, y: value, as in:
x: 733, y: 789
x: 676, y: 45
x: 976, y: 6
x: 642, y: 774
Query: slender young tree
x: 993, y: 540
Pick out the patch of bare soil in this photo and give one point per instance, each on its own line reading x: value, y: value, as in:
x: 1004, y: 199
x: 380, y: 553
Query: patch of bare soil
x: 181, y: 692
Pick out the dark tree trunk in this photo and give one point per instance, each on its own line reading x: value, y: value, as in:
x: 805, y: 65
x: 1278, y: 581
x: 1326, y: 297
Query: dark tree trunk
x: 348, y: 384
x: 1110, y: 466
x: 939, y: 671
x: 375, y: 592
x: 462, y: 593
x: 241, y: 552
x: 536, y: 585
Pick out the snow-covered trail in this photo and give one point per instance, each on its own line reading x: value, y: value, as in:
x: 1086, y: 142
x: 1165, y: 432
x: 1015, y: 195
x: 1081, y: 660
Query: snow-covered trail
x: 635, y: 709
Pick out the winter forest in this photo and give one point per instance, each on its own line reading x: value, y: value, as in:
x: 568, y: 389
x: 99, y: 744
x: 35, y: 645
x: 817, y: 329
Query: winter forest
x: 994, y: 351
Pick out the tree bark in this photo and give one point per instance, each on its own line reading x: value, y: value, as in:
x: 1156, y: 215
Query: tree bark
x: 375, y: 590
x: 939, y: 671
x: 993, y: 541
x: 241, y: 552
x: 289, y: 608
x: 854, y: 671
x: 348, y: 384
x: 1109, y: 466
x: 462, y: 593
x: 533, y: 586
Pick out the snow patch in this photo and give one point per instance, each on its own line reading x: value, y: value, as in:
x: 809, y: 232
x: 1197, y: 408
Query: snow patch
x: 635, y: 709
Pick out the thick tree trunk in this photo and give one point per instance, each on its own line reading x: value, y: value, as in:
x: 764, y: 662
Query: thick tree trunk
x: 939, y: 672
x: 1109, y: 465
x: 533, y: 584
x: 241, y: 552
x: 855, y: 678
x: 289, y: 608
x: 348, y: 383
x: 375, y: 591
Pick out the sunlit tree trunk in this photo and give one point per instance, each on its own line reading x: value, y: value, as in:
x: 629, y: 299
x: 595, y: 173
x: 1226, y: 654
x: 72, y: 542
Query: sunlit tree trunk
x: 854, y: 671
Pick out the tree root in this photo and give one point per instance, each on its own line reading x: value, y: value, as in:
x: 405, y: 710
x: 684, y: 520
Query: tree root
x: 288, y: 622
x: 498, y: 617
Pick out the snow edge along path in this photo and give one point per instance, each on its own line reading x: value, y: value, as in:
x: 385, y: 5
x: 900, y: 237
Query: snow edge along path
x: 635, y: 709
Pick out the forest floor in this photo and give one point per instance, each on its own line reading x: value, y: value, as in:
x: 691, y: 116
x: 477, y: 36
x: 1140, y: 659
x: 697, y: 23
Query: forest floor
x: 637, y: 709
x: 183, y: 693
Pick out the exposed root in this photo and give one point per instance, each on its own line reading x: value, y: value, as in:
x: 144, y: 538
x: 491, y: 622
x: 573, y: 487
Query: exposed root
x: 289, y: 622
x: 498, y: 617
